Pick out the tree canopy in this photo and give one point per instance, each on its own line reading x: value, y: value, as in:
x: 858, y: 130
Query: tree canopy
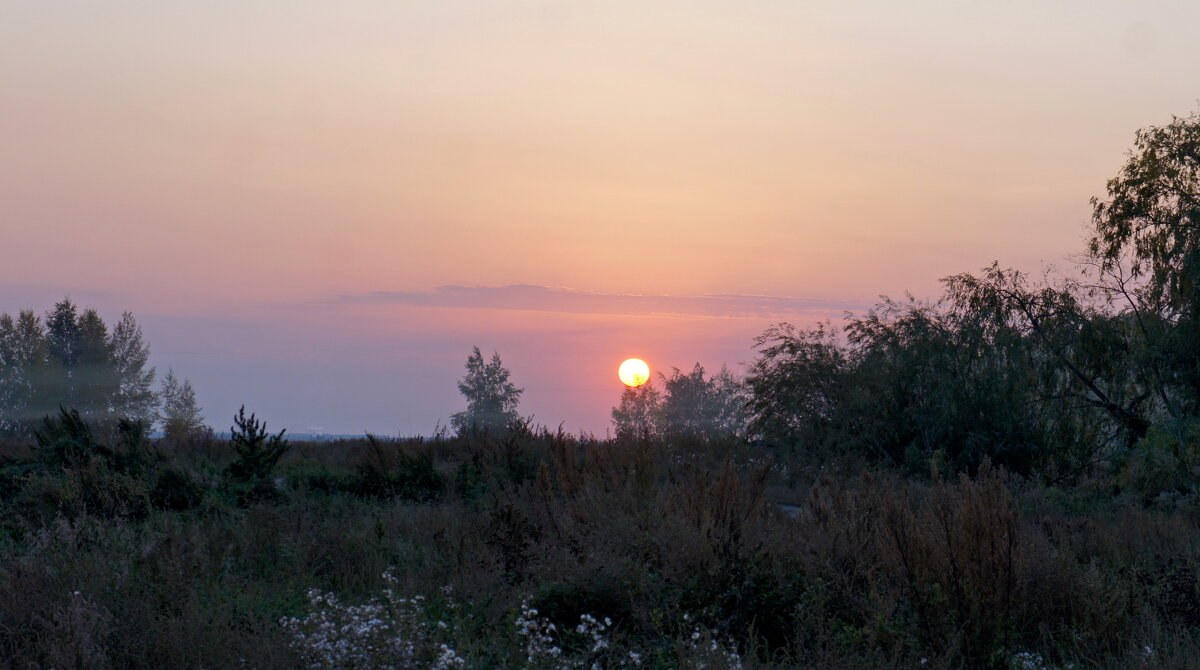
x: 492, y: 399
x: 691, y: 404
x: 70, y: 359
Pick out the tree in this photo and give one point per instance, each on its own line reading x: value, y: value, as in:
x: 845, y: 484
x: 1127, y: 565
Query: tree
x: 636, y: 416
x: 181, y: 416
x: 91, y: 376
x: 71, y: 359
x: 257, y: 450
x: 1152, y: 214
x: 23, y: 373
x: 913, y: 383
x: 796, y: 383
x: 491, y: 399
x: 62, y: 348
x: 730, y: 402
x: 1149, y: 226
x: 1079, y: 351
x: 133, y: 392
x: 701, y: 406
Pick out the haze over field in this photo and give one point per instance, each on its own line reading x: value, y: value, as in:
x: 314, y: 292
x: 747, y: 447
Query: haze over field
x: 318, y: 210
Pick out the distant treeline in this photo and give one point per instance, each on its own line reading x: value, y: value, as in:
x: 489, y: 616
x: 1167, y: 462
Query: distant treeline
x: 71, y: 359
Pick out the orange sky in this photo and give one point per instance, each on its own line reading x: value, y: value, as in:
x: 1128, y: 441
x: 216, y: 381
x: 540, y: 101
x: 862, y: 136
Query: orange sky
x: 278, y: 189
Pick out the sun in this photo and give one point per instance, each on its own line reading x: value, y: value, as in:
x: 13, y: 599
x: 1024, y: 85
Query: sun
x: 634, y: 372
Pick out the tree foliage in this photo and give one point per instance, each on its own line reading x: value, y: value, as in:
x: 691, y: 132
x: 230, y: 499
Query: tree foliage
x: 1053, y: 375
x: 691, y: 404
x: 796, y: 383
x: 1152, y: 215
x: 997, y: 369
x: 636, y: 416
x: 129, y: 358
x: 181, y: 416
x: 492, y: 399
x: 70, y: 358
x: 700, y: 406
x: 257, y: 450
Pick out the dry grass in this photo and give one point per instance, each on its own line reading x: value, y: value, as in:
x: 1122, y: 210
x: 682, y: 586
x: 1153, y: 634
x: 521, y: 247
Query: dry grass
x: 873, y: 570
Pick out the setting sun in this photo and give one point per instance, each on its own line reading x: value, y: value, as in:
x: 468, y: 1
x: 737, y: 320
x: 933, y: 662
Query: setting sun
x: 634, y: 372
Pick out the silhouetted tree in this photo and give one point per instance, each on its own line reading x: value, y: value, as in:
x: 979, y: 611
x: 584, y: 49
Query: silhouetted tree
x: 181, y: 416
x: 1151, y: 217
x: 938, y: 382
x: 491, y: 399
x: 63, y: 344
x: 23, y: 372
x: 72, y: 360
x: 701, y: 406
x: 1079, y: 351
x: 133, y: 395
x: 796, y: 383
x: 636, y: 416
x: 1146, y: 239
x: 731, y: 403
x: 946, y: 382
x: 257, y: 451
x: 91, y: 377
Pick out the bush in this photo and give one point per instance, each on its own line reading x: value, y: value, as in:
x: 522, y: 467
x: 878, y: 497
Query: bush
x: 469, y: 480
x: 12, y: 478
x: 255, y: 492
x: 67, y: 441
x: 257, y: 452
x: 91, y: 488
x: 176, y: 490
x: 397, y: 473
x: 563, y: 603
x: 321, y: 479
x: 109, y: 493
x: 1167, y: 460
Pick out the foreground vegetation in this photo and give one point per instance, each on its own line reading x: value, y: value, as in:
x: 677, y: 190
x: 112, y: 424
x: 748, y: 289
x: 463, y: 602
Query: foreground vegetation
x: 535, y: 549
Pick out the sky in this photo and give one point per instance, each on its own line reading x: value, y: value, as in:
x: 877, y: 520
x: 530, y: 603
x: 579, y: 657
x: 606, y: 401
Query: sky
x: 317, y: 208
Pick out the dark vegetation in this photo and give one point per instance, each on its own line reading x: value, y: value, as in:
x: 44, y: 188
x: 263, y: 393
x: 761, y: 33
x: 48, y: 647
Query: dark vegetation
x: 1004, y: 478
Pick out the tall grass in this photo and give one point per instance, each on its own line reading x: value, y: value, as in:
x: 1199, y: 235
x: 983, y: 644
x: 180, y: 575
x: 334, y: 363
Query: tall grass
x: 674, y: 553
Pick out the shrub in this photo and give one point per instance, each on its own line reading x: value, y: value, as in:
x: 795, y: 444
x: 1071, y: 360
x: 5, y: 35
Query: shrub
x: 67, y: 441
x: 321, y: 479
x: 255, y: 492
x: 176, y: 490
x: 396, y: 473
x: 563, y: 603
x: 91, y: 488
x: 102, y: 491
x: 257, y: 451
x: 469, y: 480
x: 12, y: 478
x: 1165, y: 461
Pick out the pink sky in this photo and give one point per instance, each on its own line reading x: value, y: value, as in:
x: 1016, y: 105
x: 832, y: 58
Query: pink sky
x: 318, y: 208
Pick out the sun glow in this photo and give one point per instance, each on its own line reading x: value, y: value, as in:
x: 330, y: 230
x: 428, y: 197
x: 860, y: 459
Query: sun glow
x: 634, y: 372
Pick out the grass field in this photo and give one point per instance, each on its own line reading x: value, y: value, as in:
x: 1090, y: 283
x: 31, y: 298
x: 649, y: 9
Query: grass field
x: 536, y: 549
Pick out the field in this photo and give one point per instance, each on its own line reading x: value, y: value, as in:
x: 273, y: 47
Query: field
x: 537, y: 549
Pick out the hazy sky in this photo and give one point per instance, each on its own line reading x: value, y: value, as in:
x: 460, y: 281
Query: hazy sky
x: 317, y: 208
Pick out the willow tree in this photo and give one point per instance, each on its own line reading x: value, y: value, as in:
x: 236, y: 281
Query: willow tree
x: 1148, y: 230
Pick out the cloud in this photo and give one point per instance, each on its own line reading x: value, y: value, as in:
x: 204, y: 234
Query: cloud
x: 546, y: 299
